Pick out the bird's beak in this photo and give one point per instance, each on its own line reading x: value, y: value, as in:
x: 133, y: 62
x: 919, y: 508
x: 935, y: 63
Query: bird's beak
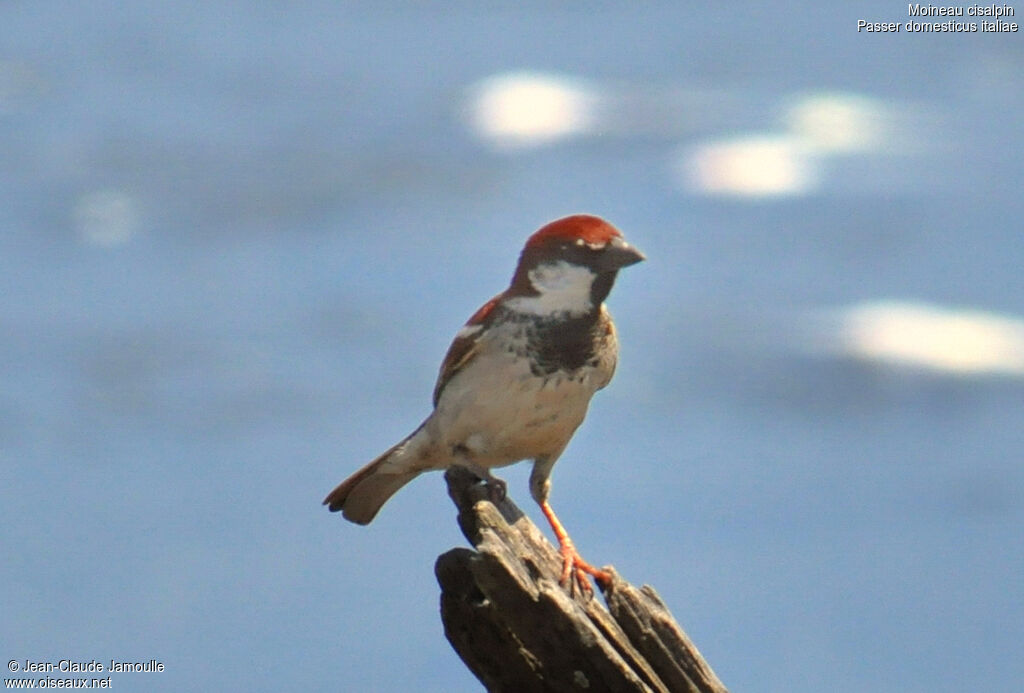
x: 618, y: 254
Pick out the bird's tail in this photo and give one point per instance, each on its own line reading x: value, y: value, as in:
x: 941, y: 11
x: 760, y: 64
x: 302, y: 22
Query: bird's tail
x: 361, y: 496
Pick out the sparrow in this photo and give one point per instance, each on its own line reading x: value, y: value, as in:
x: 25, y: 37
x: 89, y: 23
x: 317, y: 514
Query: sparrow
x: 517, y: 380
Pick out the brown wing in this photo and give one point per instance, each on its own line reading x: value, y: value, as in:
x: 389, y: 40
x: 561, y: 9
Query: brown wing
x: 465, y: 346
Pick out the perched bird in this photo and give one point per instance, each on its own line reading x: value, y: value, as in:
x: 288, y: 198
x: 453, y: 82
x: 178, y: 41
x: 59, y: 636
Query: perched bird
x: 517, y: 379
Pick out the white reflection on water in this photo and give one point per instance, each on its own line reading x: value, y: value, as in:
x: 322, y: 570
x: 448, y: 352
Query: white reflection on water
x: 936, y: 338
x: 755, y: 166
x: 106, y: 218
x: 524, y: 109
x: 839, y: 123
x: 728, y: 142
x: 816, y: 139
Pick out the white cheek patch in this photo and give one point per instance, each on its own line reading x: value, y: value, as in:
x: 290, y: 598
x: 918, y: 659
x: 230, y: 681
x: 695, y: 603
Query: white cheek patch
x: 563, y: 288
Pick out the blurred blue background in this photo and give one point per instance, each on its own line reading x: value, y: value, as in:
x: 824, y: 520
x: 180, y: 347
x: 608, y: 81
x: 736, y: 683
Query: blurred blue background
x: 236, y: 239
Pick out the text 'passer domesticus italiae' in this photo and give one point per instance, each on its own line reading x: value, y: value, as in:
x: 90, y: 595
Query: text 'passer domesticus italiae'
x: 518, y: 378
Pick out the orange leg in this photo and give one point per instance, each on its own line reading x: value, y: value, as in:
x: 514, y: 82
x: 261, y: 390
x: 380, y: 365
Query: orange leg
x: 573, y: 565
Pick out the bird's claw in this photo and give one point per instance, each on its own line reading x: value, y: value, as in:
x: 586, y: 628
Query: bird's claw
x: 575, y: 571
x: 496, y: 489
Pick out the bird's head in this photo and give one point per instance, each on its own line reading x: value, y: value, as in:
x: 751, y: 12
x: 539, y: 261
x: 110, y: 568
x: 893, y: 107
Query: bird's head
x: 569, y: 266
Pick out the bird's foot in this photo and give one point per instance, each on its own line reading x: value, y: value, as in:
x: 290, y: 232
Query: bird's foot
x: 575, y: 571
x: 574, y: 568
x: 496, y: 489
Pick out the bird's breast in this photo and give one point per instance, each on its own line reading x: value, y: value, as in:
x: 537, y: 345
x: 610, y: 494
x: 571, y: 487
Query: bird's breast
x: 503, y: 407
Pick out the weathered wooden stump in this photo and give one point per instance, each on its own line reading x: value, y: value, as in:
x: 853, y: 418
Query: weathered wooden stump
x: 518, y: 630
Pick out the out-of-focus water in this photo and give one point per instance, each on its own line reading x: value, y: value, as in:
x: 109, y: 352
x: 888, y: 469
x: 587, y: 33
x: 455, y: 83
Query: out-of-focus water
x: 236, y: 239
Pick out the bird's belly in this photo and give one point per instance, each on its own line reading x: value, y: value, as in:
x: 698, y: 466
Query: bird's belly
x: 522, y: 416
